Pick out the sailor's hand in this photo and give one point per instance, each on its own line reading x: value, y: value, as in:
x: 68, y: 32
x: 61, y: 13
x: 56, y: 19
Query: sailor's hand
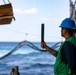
x: 43, y: 45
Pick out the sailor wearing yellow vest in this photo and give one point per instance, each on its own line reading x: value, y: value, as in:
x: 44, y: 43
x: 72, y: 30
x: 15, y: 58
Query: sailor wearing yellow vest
x: 66, y: 55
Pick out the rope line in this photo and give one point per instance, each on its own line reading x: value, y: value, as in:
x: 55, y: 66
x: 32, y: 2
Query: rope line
x: 29, y: 44
x: 26, y: 34
x: 4, y: 1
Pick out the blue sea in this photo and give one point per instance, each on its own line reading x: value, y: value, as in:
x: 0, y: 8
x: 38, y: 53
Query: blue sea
x: 29, y: 60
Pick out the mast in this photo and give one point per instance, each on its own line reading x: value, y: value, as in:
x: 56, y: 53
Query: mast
x: 73, y: 11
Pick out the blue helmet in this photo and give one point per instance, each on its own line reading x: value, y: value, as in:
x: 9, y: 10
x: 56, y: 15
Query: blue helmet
x: 68, y: 23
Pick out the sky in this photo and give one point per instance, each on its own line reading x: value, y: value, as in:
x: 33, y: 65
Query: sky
x: 29, y: 15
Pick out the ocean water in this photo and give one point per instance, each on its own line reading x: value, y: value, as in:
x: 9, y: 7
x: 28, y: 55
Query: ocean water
x: 29, y: 61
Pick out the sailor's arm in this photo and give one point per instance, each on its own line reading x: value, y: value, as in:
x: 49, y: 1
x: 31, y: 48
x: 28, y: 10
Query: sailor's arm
x: 52, y: 51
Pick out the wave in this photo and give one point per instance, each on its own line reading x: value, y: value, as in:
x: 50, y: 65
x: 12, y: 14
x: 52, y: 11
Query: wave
x: 35, y: 63
x: 41, y: 65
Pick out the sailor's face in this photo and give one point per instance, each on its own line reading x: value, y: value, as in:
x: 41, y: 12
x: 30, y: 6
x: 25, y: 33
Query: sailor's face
x: 63, y: 32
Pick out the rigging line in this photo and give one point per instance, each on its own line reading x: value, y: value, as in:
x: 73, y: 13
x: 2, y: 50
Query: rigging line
x: 10, y: 52
x: 4, y: 1
x: 37, y: 49
x: 8, y: 1
x: 20, y: 32
x: 56, y: 44
x: 16, y: 48
x: 30, y: 44
x: 27, y: 33
x: 55, y: 47
x: 13, y: 30
x: 24, y: 43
